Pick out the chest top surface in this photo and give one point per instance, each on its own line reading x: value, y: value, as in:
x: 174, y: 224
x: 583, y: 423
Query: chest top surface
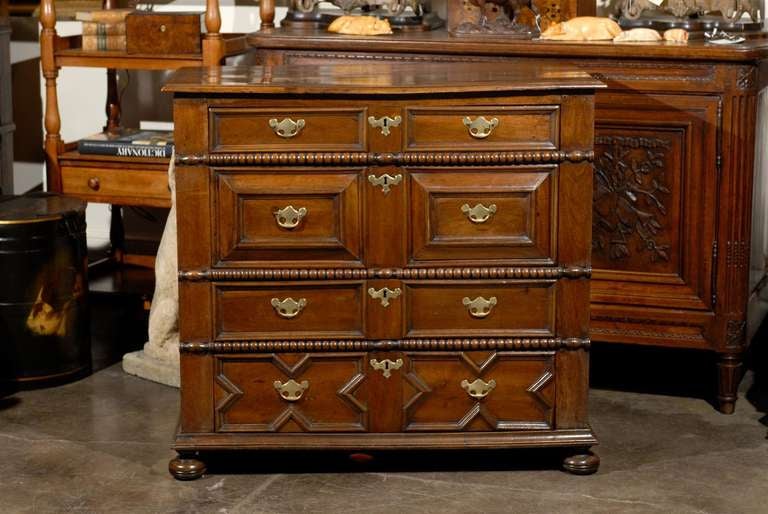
x: 380, y: 78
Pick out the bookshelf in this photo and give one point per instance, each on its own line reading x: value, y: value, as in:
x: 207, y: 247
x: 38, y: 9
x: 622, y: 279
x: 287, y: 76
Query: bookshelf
x: 119, y: 181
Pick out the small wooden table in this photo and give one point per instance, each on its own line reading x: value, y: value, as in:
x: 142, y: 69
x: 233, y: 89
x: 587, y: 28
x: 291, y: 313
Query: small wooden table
x: 384, y: 257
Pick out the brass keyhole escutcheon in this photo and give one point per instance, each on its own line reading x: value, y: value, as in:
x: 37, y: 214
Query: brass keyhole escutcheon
x: 286, y: 128
x: 291, y: 390
x: 384, y: 294
x: 288, y: 308
x: 384, y: 123
x: 163, y: 28
x: 386, y: 366
x: 289, y: 217
x: 478, y: 389
x: 385, y: 181
x: 479, y: 213
x: 479, y: 307
x: 480, y: 128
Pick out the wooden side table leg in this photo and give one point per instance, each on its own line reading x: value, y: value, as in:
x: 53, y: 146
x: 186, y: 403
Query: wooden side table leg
x: 117, y: 234
x: 729, y: 367
x: 187, y: 466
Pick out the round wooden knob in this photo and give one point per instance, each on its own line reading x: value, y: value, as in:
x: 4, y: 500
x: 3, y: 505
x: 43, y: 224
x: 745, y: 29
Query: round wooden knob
x: 163, y: 28
x: 94, y: 183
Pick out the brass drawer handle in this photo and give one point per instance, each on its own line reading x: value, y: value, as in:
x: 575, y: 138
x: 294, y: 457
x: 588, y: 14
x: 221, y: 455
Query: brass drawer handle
x: 384, y: 123
x: 94, y: 183
x: 288, y: 217
x: 386, y: 366
x: 479, y: 307
x: 478, y: 389
x: 385, y: 181
x: 480, y: 128
x: 291, y: 390
x: 384, y: 294
x: 479, y: 213
x: 286, y: 128
x: 288, y: 308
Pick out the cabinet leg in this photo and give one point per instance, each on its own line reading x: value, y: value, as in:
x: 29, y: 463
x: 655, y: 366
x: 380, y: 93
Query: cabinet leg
x: 729, y: 376
x: 583, y: 462
x: 187, y: 466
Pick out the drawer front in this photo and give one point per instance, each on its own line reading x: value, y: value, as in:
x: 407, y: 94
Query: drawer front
x: 293, y: 310
x: 484, y: 215
x: 105, y: 185
x: 291, y: 393
x: 478, y: 391
x: 464, y: 128
x: 290, y: 216
x: 482, y: 309
x: 274, y: 129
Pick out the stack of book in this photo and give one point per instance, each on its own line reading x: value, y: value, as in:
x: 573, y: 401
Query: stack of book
x: 103, y: 29
x: 129, y: 143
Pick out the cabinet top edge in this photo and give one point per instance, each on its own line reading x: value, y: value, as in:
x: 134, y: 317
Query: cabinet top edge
x: 381, y: 78
x: 441, y: 42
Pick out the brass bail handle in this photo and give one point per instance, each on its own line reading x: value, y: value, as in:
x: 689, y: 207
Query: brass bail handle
x: 480, y: 128
x: 286, y: 128
x: 289, y: 217
x: 288, y: 308
x: 479, y: 213
x: 479, y: 307
x: 291, y: 390
x: 479, y: 388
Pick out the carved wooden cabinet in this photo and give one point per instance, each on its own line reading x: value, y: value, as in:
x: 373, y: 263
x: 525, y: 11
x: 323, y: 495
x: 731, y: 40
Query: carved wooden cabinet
x: 383, y: 257
x: 674, y: 144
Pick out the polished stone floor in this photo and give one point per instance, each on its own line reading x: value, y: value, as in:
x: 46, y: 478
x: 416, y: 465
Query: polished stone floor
x: 102, y: 445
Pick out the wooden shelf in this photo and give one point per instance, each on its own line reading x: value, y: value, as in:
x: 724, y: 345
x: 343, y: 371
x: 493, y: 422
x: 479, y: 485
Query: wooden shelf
x: 69, y: 53
x: 117, y: 180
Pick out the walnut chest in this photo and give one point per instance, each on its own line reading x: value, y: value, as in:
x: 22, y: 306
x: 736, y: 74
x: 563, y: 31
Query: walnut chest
x: 383, y: 257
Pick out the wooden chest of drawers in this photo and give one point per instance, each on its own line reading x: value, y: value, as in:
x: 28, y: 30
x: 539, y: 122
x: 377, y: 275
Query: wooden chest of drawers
x: 382, y: 257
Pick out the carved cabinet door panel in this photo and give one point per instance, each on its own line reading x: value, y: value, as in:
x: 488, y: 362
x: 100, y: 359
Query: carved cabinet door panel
x: 655, y: 201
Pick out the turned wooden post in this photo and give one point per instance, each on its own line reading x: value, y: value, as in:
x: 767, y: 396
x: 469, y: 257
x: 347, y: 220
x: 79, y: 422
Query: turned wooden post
x: 52, y: 145
x: 267, y: 14
x: 213, y: 44
x: 112, y: 107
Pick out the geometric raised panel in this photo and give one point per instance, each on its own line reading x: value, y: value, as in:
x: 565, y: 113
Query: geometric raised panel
x: 522, y: 399
x: 334, y: 399
x: 519, y: 207
x: 254, y: 220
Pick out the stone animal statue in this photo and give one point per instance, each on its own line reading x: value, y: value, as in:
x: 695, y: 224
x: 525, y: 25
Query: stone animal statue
x: 360, y: 26
x: 730, y: 10
x: 639, y: 35
x: 583, y: 28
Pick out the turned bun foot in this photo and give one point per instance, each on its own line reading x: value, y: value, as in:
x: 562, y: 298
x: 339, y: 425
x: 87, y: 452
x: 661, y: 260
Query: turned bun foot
x: 186, y: 467
x: 582, y: 463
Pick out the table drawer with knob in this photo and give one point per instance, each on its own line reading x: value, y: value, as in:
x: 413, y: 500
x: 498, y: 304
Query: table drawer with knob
x: 288, y: 216
x: 482, y: 128
x: 289, y: 310
x: 98, y: 184
x: 479, y: 308
x: 285, y: 130
x: 507, y: 214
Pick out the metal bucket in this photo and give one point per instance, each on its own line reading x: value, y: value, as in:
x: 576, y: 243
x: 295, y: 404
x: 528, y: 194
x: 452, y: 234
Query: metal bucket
x: 44, y: 325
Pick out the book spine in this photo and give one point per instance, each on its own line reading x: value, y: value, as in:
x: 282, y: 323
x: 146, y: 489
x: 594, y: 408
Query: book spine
x: 124, y: 149
x: 91, y: 28
x: 95, y: 43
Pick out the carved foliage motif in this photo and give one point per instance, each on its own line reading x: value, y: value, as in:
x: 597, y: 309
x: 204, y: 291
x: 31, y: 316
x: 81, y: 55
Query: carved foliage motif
x: 630, y: 197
